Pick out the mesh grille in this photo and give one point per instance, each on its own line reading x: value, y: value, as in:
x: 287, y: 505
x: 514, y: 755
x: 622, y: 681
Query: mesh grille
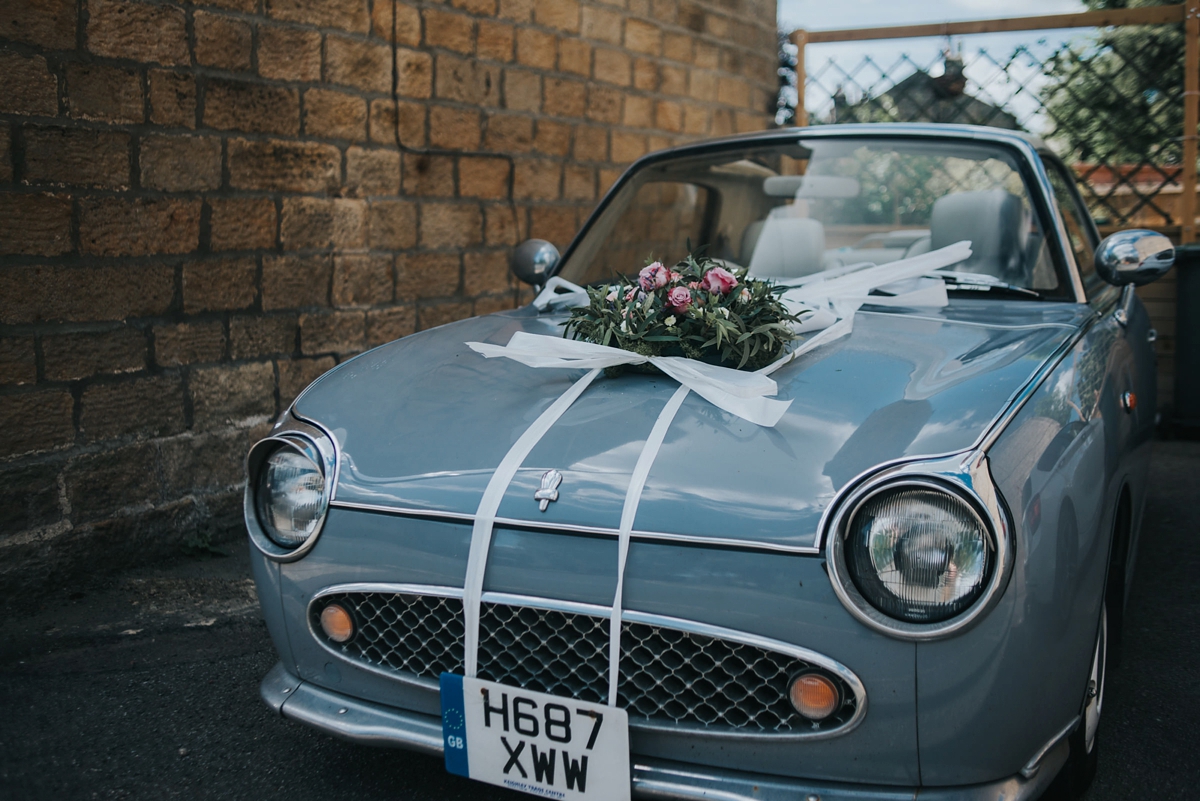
x: 666, y: 675
x: 549, y: 652
x: 418, y: 634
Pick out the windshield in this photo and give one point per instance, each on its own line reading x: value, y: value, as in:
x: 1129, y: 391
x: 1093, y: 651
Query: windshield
x: 789, y: 210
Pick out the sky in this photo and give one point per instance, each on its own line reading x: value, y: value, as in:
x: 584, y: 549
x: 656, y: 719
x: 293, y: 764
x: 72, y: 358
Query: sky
x: 821, y: 14
x: 889, y: 55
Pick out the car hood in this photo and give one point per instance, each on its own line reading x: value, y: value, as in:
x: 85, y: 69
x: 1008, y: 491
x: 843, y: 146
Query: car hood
x: 421, y: 423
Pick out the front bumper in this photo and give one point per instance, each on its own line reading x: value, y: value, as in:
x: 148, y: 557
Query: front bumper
x: 371, y: 724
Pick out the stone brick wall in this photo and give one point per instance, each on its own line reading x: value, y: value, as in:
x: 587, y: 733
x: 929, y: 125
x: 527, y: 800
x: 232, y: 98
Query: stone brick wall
x: 205, y: 205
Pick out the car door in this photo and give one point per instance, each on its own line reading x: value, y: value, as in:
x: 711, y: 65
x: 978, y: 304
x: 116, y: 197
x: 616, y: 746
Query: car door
x: 1116, y: 386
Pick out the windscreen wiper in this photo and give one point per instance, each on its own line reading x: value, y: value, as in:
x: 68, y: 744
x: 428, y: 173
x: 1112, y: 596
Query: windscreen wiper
x: 975, y: 282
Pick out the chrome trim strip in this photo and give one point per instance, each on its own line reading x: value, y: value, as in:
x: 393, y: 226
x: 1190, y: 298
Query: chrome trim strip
x: 1060, y: 228
x: 403, y: 511
x: 967, y: 477
x: 299, y: 422
x: 1035, y: 763
x: 436, y: 590
x: 627, y: 615
x: 725, y: 542
x: 550, y: 604
x: 850, y: 486
x: 603, y: 531
x: 547, y: 526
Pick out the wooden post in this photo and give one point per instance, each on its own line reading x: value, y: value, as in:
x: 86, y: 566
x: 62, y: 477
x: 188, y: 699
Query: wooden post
x: 800, y: 39
x: 1146, y: 15
x: 1191, y: 120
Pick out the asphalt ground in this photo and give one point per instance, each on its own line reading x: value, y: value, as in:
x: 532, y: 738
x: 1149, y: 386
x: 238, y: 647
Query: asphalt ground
x: 146, y: 686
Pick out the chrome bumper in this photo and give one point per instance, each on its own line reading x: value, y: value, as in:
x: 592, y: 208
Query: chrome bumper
x: 369, y: 724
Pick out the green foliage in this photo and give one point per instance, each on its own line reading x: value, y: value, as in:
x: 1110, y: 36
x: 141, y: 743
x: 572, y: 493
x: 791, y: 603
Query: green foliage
x: 746, y: 327
x: 896, y: 189
x: 1116, y: 99
x: 900, y: 189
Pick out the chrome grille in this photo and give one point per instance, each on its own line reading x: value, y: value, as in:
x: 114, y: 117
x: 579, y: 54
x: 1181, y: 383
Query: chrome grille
x: 550, y: 652
x: 666, y: 675
x: 690, y: 678
x: 417, y: 634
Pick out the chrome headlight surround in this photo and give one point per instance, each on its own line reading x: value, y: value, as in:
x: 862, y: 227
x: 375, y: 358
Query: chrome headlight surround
x: 311, y: 443
x: 967, y: 479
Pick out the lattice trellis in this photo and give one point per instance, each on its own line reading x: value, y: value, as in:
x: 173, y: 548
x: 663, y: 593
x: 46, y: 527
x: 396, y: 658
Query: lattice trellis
x: 1134, y: 178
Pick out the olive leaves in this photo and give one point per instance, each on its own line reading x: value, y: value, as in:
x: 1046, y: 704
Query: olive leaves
x: 698, y: 309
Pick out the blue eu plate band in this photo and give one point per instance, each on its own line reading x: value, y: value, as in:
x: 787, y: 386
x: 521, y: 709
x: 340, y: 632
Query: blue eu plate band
x: 454, y: 725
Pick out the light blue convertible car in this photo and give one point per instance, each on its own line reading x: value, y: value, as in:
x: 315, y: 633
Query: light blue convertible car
x: 910, y: 586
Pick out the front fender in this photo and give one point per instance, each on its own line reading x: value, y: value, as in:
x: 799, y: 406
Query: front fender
x: 990, y: 699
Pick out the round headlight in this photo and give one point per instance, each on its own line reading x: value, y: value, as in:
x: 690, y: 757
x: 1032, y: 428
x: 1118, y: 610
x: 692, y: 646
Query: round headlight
x: 918, y: 555
x: 290, y: 497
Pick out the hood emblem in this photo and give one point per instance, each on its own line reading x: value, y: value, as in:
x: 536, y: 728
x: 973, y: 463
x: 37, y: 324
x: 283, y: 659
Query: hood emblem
x: 549, y: 491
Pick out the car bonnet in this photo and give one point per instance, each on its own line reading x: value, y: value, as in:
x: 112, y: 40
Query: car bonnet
x: 421, y: 423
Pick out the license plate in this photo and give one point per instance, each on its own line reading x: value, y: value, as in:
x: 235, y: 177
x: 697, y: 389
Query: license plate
x: 532, y: 742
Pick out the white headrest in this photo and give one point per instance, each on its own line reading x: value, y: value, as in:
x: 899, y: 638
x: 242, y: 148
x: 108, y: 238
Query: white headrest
x: 788, y: 247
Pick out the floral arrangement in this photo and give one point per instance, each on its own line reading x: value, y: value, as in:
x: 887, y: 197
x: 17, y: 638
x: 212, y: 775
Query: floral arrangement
x: 698, y: 309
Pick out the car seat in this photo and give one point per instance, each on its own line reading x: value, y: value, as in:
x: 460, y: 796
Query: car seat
x: 784, y: 246
x: 997, y: 224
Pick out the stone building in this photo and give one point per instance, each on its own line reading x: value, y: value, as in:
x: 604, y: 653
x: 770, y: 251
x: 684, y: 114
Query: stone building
x: 204, y: 205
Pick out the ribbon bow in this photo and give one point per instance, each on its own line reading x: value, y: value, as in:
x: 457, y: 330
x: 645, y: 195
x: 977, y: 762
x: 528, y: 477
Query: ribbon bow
x: 736, y: 391
x: 828, y: 300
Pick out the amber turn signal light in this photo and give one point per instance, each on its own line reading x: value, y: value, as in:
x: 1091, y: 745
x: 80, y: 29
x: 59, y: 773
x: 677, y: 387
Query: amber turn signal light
x: 337, y: 623
x: 814, y: 696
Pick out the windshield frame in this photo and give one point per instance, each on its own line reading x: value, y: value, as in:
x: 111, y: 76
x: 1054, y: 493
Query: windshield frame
x: 1028, y: 159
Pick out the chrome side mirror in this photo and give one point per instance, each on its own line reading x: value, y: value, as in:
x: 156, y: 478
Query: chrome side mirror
x: 1134, y: 257
x: 533, y: 261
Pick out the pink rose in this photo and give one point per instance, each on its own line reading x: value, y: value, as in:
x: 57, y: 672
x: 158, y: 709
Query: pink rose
x: 679, y: 299
x: 675, y: 277
x: 631, y: 294
x: 654, y: 276
x: 719, y: 281
x: 693, y: 285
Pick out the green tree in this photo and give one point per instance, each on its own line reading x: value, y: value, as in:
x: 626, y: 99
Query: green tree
x: 1118, y: 97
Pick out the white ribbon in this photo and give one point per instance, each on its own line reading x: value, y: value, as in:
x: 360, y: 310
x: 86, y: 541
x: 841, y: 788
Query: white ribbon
x: 736, y: 391
x: 633, y: 496
x: 485, y: 515
x: 572, y: 294
x: 828, y: 304
x: 844, y: 293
